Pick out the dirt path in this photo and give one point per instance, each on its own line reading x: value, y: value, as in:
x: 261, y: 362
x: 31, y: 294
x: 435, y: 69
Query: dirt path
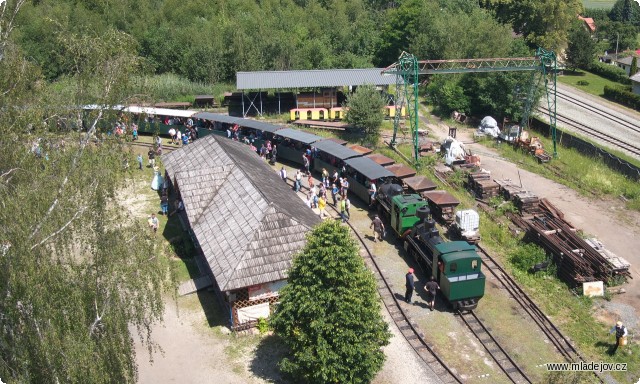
x: 192, y: 352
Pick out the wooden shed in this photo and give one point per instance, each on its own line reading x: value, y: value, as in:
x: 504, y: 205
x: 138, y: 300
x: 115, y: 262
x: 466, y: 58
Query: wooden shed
x: 247, y: 223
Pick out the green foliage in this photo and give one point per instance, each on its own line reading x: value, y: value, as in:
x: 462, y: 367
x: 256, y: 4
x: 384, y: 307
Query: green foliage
x: 617, y: 35
x: 569, y: 377
x: 502, y: 207
x: 210, y: 42
x: 634, y: 66
x: 597, y: 14
x: 610, y: 72
x: 263, y: 325
x: 78, y: 276
x: 329, y: 313
x: 622, y: 96
x: 366, y: 112
x: 448, y: 95
x: 582, y: 48
x: 526, y: 256
x: 626, y: 11
x: 584, y: 83
x: 544, y: 23
x: 170, y: 87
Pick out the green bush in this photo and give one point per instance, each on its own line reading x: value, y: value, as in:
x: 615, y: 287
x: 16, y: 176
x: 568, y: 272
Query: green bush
x: 263, y: 325
x: 583, y: 82
x: 623, y: 96
x: 610, y: 72
x: 527, y: 256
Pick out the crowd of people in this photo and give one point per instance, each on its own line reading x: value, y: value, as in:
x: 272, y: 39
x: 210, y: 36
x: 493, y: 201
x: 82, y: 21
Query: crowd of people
x: 336, y: 186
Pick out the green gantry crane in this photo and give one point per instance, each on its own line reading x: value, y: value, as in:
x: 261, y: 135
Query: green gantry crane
x: 408, y: 69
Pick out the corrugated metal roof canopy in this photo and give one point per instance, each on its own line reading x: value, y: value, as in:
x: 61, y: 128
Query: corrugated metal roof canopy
x: 236, y: 120
x: 217, y: 117
x: 158, y: 111
x: 294, y: 134
x: 334, y: 149
x: 312, y: 78
x: 369, y: 168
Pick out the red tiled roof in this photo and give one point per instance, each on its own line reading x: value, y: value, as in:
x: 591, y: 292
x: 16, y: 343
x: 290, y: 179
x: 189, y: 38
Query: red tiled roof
x: 590, y: 23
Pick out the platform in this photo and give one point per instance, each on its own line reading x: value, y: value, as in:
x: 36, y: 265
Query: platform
x: 334, y: 125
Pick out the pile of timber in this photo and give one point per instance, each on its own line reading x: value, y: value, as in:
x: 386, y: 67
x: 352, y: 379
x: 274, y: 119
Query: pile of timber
x: 527, y: 203
x: 508, y: 190
x: 576, y: 259
x: 481, y: 184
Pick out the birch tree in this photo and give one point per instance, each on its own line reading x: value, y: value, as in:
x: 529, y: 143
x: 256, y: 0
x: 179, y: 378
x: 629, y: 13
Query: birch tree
x: 77, y: 275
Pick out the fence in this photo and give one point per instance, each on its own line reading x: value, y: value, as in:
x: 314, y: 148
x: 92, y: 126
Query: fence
x: 570, y: 141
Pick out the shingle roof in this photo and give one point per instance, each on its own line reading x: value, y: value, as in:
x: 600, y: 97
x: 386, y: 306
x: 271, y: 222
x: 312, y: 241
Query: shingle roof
x: 248, y: 222
x: 636, y: 77
x: 312, y: 78
x: 589, y: 22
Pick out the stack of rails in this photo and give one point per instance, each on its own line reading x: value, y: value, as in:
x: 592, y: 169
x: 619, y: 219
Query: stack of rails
x: 577, y: 260
x: 482, y: 186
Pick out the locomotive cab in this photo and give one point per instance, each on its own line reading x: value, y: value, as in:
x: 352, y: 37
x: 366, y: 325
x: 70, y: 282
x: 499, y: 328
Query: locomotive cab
x: 403, y: 212
x: 460, y: 274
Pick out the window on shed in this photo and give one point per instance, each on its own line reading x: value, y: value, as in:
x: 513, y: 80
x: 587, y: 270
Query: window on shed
x: 453, y: 267
x: 474, y: 264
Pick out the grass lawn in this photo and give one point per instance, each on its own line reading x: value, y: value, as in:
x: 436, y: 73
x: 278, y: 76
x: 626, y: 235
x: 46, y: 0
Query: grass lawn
x: 595, y: 84
x: 176, y: 244
x: 598, y: 3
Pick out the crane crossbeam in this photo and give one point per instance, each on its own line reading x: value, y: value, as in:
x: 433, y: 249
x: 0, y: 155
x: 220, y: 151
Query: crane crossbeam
x: 429, y: 67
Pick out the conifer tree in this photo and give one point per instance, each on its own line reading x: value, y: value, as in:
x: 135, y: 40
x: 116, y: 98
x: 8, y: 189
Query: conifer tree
x: 329, y: 313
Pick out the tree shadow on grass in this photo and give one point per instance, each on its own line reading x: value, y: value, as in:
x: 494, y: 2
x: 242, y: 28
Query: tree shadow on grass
x: 573, y: 73
x: 268, y: 354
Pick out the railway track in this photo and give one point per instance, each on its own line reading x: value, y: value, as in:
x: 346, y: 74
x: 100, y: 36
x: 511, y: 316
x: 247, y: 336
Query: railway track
x: 409, y: 329
x: 616, y: 143
x: 600, y: 111
x: 562, y: 344
x: 491, y: 345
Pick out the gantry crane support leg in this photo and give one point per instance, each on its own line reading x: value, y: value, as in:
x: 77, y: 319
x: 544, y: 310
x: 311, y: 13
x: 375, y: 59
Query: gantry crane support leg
x: 408, y: 69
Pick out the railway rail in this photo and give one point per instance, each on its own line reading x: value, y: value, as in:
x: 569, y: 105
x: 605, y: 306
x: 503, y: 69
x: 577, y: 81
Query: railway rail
x: 495, y: 350
x: 562, y: 344
x: 616, y: 143
x: 600, y: 111
x: 409, y: 329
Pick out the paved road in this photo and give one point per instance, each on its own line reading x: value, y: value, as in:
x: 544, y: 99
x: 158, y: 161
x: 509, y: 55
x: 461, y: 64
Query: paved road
x: 616, y: 127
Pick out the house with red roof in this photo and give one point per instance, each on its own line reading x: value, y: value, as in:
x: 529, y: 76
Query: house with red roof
x: 589, y: 24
